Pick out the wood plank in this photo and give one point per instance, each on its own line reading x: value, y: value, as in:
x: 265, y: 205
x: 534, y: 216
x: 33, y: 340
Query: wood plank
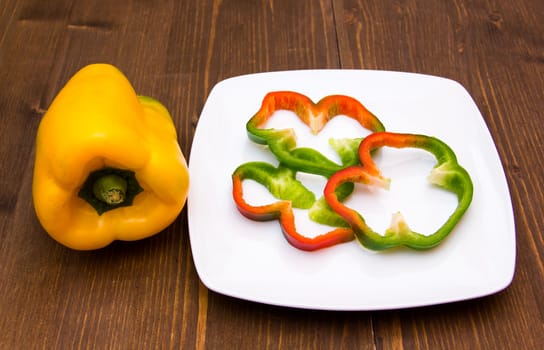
x: 26, y: 55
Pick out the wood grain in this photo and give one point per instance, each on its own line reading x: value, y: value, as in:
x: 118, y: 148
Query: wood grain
x: 147, y: 294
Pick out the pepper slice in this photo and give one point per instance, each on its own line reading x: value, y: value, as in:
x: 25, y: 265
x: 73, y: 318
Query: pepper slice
x: 282, y: 142
x: 282, y: 183
x: 108, y: 165
x: 447, y: 174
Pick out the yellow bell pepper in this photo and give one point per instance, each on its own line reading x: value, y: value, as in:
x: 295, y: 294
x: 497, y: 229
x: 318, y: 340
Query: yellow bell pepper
x: 108, y: 165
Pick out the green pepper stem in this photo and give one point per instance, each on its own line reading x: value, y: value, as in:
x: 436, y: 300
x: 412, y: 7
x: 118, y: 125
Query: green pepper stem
x: 110, y: 189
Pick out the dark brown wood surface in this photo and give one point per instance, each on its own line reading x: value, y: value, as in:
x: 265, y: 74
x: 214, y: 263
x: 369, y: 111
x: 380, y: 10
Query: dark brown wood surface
x: 147, y: 294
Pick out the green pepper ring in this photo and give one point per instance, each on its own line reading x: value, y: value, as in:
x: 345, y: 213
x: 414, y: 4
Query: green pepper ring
x: 447, y: 174
x: 282, y: 183
x: 282, y: 142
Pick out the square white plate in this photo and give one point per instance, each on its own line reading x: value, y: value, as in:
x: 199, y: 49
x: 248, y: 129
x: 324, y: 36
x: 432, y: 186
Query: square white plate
x: 252, y: 260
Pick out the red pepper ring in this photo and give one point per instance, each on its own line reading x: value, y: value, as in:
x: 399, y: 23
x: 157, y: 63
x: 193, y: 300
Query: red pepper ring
x: 447, y: 174
x: 282, y: 142
x: 281, y: 210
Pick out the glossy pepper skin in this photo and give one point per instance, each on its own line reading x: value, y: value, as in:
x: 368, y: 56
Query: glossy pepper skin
x: 282, y: 183
x: 282, y: 143
x: 98, y: 122
x: 447, y: 174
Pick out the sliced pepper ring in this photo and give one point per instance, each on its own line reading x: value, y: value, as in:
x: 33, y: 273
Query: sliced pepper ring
x: 281, y: 182
x: 447, y: 174
x: 282, y: 142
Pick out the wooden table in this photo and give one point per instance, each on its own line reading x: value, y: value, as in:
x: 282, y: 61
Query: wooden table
x: 147, y: 294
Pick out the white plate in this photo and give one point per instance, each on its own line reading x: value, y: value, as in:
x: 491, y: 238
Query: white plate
x: 252, y: 260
